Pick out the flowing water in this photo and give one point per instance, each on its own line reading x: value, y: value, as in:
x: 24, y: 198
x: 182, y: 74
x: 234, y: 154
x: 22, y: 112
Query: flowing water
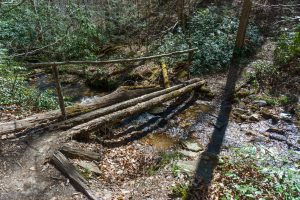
x: 73, y: 87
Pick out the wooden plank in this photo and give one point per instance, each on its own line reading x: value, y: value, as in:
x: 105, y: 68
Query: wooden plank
x: 80, y: 153
x: 64, y: 165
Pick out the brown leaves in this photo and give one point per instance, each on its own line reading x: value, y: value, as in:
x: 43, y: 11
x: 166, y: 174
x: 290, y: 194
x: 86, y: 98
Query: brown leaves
x: 126, y: 162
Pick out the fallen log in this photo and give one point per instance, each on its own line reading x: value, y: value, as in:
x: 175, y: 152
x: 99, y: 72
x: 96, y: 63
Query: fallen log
x: 64, y: 125
x: 140, y: 133
x: 44, y: 119
x: 63, y: 164
x: 93, y: 125
x: 80, y: 153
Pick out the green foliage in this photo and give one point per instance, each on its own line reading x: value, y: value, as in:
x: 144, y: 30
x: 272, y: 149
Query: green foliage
x: 180, y: 190
x: 26, y: 28
x: 213, y: 33
x: 175, y: 170
x: 74, y: 31
x: 281, y: 100
x: 288, y: 46
x: 165, y: 159
x: 253, y: 174
x: 264, y: 70
x: 14, y: 90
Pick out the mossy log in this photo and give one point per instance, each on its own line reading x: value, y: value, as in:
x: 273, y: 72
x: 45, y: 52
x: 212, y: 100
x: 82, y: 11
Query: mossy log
x: 164, y: 71
x: 46, y: 118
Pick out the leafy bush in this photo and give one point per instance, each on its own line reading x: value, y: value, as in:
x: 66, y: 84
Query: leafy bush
x: 214, y: 35
x: 288, y: 46
x: 15, y: 91
x: 75, y: 31
x: 26, y: 28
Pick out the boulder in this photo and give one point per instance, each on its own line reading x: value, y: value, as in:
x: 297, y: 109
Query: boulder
x: 260, y: 103
x: 89, y: 166
x: 192, y: 146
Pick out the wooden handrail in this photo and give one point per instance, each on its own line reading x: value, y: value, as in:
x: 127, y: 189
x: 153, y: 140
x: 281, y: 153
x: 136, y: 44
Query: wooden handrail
x: 51, y: 64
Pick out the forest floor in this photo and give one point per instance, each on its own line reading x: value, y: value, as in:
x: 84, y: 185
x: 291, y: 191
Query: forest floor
x: 154, y: 166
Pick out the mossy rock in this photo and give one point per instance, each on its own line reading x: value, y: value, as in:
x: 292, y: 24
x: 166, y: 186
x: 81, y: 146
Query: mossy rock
x: 182, y: 74
x: 242, y: 93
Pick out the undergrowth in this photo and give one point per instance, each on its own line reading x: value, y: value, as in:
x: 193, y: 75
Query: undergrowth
x: 256, y: 173
x: 15, y: 91
x: 214, y: 34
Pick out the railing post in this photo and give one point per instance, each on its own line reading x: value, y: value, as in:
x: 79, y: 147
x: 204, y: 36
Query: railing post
x: 59, y: 91
x: 244, y: 18
x: 165, y: 75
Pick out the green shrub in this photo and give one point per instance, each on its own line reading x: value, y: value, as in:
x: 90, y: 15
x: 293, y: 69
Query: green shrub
x: 14, y: 90
x: 213, y: 33
x: 180, y: 190
x: 81, y: 33
x: 26, y: 28
x: 288, y: 46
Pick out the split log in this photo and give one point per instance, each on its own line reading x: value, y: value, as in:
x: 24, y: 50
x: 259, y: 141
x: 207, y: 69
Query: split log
x: 63, y: 164
x: 80, y: 153
x: 44, y: 119
x: 64, y: 125
x: 138, y: 134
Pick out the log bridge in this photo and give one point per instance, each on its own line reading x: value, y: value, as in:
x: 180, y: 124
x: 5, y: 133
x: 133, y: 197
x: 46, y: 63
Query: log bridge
x: 51, y: 133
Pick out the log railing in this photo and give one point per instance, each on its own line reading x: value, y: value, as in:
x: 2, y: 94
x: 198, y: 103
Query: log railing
x: 55, y: 65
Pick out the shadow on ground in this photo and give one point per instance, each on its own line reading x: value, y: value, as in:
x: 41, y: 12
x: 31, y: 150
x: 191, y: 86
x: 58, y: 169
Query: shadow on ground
x: 208, y: 159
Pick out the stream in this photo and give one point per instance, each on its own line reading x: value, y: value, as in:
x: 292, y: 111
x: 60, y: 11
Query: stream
x: 73, y: 87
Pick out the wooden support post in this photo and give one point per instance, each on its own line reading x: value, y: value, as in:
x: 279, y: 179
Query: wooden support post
x: 59, y: 91
x: 244, y: 18
x: 165, y: 75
